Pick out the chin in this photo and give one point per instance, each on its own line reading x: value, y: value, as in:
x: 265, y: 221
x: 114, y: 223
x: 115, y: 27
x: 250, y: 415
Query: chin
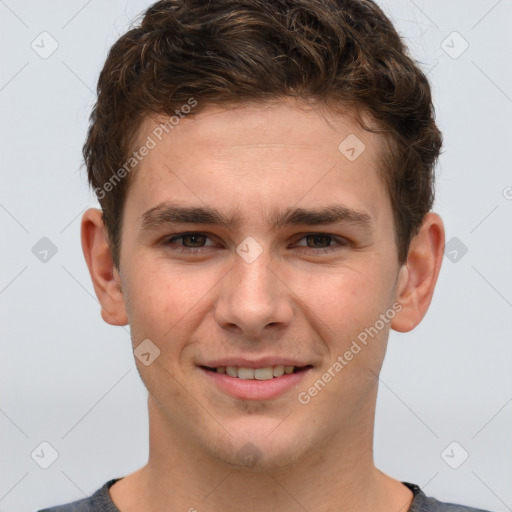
x: 256, y: 449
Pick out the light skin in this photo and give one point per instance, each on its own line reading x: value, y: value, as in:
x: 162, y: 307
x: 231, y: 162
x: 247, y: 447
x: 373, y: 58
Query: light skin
x: 294, y: 300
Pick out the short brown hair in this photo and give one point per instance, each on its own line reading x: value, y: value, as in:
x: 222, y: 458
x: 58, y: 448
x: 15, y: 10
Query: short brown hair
x: 340, y: 53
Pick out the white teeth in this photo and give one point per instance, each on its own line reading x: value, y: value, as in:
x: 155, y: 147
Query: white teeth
x: 263, y: 373
x: 231, y: 371
x: 246, y: 373
x: 278, y: 371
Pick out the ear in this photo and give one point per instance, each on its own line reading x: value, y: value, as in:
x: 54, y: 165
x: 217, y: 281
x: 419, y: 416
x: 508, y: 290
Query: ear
x: 105, y: 277
x: 418, y: 276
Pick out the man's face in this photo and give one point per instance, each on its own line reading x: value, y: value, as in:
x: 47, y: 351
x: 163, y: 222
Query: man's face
x: 257, y: 292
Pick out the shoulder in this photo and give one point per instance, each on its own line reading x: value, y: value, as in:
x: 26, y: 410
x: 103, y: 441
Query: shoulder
x: 424, y: 503
x: 100, y: 501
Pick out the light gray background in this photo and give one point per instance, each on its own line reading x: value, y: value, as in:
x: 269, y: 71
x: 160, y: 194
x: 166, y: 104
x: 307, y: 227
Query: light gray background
x: 69, y: 379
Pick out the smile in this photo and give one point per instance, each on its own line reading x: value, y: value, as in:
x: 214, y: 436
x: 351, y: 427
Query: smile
x: 255, y: 383
x: 243, y: 372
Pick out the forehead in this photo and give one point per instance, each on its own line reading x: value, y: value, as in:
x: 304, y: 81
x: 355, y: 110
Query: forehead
x: 284, y: 122
x: 258, y: 154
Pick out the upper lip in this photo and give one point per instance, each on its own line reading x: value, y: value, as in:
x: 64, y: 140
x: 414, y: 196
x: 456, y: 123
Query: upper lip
x: 264, y: 362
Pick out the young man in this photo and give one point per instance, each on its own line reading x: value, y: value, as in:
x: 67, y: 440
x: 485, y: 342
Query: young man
x: 265, y: 172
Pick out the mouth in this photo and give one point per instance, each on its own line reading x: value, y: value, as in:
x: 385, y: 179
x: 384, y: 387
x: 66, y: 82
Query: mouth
x: 266, y: 373
x: 259, y: 383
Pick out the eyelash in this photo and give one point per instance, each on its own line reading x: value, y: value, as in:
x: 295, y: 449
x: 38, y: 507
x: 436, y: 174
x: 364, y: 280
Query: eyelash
x: 342, y: 243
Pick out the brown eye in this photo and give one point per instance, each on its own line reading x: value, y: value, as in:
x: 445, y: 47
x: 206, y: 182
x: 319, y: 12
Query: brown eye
x: 319, y: 239
x: 322, y: 243
x: 193, y: 240
x: 188, y: 242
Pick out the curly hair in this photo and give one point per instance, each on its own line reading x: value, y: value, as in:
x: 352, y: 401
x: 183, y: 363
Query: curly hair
x: 343, y: 54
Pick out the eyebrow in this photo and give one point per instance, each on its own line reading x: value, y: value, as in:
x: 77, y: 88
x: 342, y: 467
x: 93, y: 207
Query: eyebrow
x: 168, y: 213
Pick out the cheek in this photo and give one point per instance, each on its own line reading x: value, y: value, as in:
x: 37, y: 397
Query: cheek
x: 164, y: 300
x: 347, y: 311
x: 346, y: 300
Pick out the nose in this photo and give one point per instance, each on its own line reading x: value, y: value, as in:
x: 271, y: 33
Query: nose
x: 254, y: 299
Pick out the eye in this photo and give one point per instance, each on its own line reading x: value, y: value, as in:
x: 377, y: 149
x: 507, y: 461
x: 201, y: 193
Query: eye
x: 188, y: 242
x: 316, y: 243
x: 324, y: 241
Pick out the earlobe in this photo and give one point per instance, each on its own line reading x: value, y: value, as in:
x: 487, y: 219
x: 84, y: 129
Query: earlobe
x: 418, y: 276
x: 104, y: 275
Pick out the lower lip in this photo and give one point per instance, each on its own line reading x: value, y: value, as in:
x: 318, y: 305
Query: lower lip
x: 252, y: 389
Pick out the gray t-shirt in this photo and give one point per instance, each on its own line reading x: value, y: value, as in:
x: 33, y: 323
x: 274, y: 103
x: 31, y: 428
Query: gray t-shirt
x: 100, y: 501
